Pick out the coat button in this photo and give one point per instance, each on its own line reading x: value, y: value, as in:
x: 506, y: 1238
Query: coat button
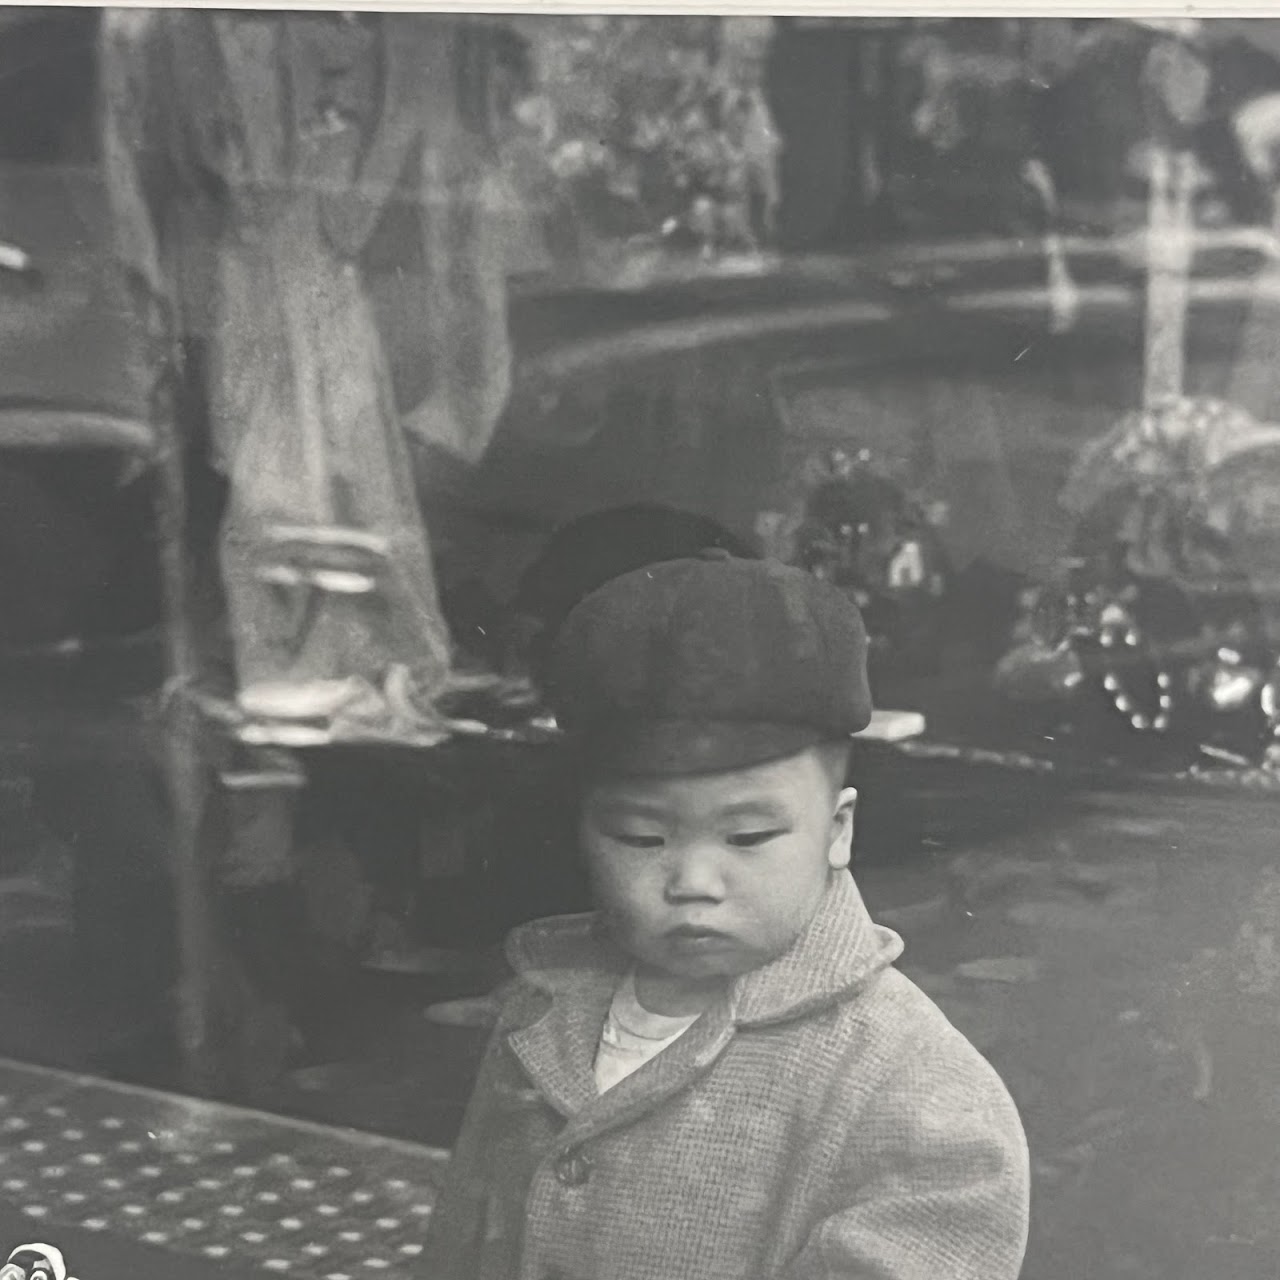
x: 573, y: 1169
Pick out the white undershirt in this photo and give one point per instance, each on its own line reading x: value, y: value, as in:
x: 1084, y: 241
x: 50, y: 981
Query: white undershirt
x: 632, y: 1035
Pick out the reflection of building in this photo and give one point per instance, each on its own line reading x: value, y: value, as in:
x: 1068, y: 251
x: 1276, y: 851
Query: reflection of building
x: 830, y: 84
x: 861, y: 101
x: 879, y: 115
x: 923, y: 127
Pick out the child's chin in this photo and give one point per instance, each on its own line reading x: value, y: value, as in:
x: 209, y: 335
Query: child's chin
x: 708, y: 968
x: 719, y: 963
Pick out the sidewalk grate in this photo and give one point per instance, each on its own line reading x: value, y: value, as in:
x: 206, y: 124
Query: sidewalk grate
x: 209, y: 1180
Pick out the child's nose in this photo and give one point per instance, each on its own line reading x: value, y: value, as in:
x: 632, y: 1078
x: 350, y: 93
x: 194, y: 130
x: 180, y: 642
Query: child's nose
x: 696, y: 876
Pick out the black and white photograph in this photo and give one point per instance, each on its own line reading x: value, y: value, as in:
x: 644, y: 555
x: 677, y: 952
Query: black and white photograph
x: 639, y: 645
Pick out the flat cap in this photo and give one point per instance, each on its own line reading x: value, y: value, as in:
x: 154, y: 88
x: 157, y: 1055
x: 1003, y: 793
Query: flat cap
x: 708, y: 664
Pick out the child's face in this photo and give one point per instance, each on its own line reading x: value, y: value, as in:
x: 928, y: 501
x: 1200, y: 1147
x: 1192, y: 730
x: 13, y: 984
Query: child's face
x: 708, y: 877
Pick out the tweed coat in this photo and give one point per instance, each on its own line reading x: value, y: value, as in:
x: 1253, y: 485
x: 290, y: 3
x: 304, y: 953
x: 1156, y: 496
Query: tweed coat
x: 825, y: 1121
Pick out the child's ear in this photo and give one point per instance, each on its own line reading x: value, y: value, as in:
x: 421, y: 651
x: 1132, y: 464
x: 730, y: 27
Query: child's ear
x: 840, y: 851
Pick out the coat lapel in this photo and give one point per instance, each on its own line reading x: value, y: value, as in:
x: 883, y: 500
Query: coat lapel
x: 558, y: 1051
x: 558, y: 1054
x: 675, y: 1069
x: 839, y: 951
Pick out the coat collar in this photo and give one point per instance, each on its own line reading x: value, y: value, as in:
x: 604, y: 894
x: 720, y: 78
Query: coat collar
x: 838, y: 952
x: 572, y: 959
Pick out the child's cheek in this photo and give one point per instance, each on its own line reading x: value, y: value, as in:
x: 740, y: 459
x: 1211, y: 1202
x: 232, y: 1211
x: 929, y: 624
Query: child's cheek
x: 609, y: 874
x: 627, y: 884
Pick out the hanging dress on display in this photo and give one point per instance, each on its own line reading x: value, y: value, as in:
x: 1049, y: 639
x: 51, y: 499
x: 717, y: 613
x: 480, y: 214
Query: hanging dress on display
x: 306, y: 196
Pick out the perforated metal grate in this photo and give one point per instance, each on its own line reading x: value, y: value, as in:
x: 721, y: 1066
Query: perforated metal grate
x: 209, y: 1180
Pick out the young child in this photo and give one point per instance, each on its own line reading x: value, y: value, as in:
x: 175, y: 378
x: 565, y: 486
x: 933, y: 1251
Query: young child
x: 719, y: 1074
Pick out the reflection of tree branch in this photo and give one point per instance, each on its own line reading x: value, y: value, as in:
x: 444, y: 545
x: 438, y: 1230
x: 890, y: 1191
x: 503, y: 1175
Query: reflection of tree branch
x: 649, y: 121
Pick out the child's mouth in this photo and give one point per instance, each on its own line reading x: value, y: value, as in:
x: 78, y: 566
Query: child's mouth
x: 697, y: 937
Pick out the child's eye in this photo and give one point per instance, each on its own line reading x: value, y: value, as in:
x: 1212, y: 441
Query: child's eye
x: 636, y: 841
x: 751, y: 839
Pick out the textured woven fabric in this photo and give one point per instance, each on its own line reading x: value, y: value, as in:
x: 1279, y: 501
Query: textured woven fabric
x: 825, y: 1121
x: 707, y: 664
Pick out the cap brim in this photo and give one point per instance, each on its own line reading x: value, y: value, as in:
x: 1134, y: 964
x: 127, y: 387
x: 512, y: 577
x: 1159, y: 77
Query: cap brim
x: 679, y: 748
